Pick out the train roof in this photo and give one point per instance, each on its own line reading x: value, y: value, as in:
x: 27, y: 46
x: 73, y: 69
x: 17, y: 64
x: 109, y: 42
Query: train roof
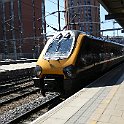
x: 98, y: 38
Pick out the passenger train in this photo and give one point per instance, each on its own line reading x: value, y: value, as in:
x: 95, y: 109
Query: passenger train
x: 71, y: 57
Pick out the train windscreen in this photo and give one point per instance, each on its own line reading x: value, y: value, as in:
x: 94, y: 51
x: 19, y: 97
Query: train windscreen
x: 60, y: 47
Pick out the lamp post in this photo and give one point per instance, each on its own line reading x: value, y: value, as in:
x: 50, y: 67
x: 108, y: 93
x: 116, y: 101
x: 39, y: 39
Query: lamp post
x: 59, y: 16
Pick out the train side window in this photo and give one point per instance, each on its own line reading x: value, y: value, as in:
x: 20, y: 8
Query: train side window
x: 87, y: 59
x: 101, y: 56
x: 122, y: 51
x: 87, y: 55
x: 81, y: 62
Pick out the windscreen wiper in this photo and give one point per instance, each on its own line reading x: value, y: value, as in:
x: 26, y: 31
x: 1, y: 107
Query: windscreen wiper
x: 68, y: 35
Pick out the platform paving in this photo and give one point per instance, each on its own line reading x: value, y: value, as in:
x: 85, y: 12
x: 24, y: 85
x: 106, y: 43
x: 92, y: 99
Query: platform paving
x: 102, y: 102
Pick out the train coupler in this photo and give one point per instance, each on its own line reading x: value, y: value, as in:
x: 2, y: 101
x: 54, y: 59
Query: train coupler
x: 39, y: 82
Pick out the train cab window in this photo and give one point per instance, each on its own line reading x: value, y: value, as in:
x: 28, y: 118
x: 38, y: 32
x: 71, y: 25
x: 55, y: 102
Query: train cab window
x: 61, y: 47
x: 65, y: 44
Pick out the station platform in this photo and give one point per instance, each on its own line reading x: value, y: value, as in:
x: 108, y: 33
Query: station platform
x: 101, y: 102
x: 17, y: 66
x: 7, y: 62
x: 10, y: 71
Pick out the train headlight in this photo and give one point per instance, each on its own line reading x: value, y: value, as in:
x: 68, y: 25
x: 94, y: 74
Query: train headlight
x: 70, y: 71
x: 37, y: 71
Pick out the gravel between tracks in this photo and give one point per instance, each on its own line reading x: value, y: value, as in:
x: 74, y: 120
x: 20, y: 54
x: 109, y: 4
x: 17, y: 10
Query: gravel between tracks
x: 5, y: 108
x: 21, y: 110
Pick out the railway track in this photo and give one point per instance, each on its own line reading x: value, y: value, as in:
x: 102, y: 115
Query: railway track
x: 20, y: 112
x: 10, y: 87
x: 14, y: 82
x: 17, y: 95
x: 19, y: 99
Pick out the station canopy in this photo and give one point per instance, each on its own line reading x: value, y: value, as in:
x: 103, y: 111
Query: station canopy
x: 115, y: 9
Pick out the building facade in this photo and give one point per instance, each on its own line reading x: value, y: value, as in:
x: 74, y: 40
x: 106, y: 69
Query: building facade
x: 22, y: 27
x: 83, y: 15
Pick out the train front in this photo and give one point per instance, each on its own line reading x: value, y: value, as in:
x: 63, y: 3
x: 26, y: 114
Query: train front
x: 57, y: 60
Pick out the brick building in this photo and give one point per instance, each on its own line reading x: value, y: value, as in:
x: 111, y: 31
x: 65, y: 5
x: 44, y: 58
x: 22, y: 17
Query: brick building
x: 83, y: 15
x: 21, y: 33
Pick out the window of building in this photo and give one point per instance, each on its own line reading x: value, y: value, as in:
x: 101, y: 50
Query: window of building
x: 88, y: 2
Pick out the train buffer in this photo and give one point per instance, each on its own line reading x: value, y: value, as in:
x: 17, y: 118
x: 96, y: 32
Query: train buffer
x: 101, y: 102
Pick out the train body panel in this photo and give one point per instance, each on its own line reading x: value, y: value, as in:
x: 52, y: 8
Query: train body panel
x: 72, y: 56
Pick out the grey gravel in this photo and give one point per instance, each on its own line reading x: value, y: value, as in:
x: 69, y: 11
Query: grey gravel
x: 21, y: 110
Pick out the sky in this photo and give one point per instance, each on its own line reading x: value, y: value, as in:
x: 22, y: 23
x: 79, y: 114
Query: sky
x: 52, y: 20
x: 51, y: 6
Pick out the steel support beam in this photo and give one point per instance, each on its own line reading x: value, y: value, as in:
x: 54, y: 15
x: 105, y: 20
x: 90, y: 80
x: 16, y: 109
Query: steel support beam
x: 111, y: 29
x: 43, y: 17
x: 20, y: 25
x: 13, y: 29
x: 4, y: 29
x: 34, y: 19
x: 114, y: 16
